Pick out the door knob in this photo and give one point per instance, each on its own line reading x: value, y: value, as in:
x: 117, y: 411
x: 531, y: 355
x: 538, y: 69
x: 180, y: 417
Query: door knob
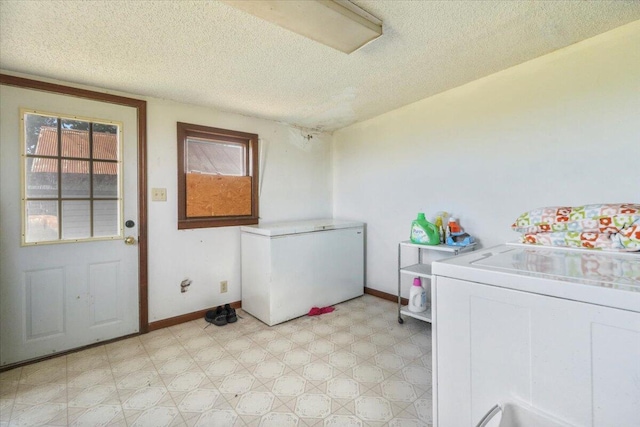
x: 130, y: 240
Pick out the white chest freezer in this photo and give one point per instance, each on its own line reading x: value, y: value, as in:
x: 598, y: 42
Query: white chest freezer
x: 556, y: 329
x: 290, y: 267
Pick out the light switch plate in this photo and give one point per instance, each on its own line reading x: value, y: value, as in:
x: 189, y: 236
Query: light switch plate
x: 159, y: 194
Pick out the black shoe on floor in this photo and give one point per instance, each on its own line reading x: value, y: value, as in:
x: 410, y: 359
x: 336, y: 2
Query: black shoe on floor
x: 218, y: 316
x: 231, y: 314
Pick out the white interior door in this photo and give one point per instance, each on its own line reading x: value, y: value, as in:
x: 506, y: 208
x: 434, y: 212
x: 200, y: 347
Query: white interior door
x: 56, y: 296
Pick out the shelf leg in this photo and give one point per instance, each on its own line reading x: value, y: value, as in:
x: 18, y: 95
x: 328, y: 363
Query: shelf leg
x: 399, y: 283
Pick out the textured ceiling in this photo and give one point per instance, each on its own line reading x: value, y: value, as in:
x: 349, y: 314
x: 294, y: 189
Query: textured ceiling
x: 208, y: 53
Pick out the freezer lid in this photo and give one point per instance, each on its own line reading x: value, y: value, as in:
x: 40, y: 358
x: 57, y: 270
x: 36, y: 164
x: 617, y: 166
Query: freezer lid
x: 296, y: 227
x: 581, y: 275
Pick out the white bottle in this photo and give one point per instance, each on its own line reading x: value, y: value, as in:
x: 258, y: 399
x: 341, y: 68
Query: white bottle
x: 417, y: 297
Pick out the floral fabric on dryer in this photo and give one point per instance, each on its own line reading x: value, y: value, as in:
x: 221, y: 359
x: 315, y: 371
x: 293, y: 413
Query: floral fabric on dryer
x: 596, y: 226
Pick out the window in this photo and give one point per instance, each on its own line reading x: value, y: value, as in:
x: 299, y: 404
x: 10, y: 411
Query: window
x: 217, y: 177
x: 71, y: 179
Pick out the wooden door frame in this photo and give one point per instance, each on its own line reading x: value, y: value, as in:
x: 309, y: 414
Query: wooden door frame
x: 141, y: 109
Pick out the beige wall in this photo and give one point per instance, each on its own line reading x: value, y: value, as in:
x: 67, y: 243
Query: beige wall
x: 563, y: 129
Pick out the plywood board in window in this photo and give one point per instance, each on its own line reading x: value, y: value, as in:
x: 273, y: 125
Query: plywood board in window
x: 218, y: 195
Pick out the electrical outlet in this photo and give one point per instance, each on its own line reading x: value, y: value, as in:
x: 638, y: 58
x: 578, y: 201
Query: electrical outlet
x: 223, y: 286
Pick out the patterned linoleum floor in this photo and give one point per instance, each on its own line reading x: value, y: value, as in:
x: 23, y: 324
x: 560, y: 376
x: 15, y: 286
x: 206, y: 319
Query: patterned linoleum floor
x: 354, y: 367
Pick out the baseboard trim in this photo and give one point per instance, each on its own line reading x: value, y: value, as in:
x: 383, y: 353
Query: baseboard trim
x: 384, y: 295
x: 172, y: 321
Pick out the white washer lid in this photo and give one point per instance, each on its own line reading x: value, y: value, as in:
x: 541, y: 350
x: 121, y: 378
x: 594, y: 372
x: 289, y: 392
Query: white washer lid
x: 604, y: 278
x: 296, y: 227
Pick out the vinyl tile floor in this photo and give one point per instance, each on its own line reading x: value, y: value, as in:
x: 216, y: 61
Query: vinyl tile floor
x: 356, y: 366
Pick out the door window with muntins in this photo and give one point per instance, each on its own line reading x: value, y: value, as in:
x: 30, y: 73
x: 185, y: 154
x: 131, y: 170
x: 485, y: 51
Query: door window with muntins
x: 71, y: 186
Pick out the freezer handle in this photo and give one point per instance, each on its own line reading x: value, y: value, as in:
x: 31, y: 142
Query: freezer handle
x: 324, y: 227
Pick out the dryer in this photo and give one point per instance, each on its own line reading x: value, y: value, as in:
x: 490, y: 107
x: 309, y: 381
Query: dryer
x: 557, y: 330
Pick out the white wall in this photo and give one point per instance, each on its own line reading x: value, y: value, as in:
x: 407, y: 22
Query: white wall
x: 563, y: 129
x: 296, y: 184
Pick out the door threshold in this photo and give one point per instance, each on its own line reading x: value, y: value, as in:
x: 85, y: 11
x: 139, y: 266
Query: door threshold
x: 66, y: 352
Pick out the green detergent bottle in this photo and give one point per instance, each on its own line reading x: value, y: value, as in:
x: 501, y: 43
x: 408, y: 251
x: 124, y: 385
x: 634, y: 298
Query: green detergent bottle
x: 423, y: 232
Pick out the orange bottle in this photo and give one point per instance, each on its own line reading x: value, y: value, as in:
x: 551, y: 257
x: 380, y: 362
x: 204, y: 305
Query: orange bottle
x: 453, y: 226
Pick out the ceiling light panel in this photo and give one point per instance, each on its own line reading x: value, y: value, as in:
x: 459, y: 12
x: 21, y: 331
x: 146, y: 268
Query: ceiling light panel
x: 338, y: 24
